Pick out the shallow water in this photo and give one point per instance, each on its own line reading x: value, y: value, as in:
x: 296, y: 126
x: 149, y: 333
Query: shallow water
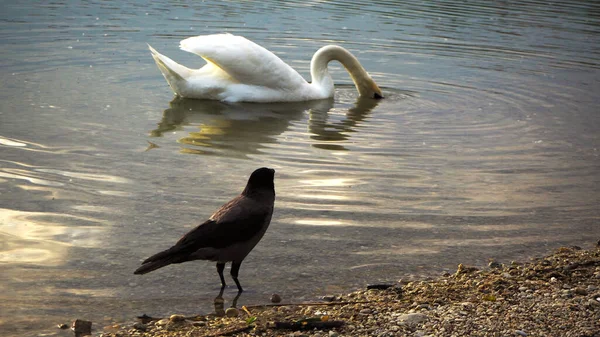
x: 486, y: 146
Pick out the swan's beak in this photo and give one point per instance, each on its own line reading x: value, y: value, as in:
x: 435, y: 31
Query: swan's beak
x: 377, y: 94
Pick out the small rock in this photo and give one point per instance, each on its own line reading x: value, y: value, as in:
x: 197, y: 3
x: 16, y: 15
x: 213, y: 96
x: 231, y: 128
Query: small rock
x: 365, y: 311
x: 199, y: 323
x: 140, y: 326
x: 379, y: 286
x: 413, y: 318
x: 462, y: 269
x: 593, y: 303
x: 62, y: 326
x: 329, y: 298
x: 275, y: 298
x: 580, y: 291
x: 333, y: 333
x: 176, y: 318
x: 145, y: 319
x: 494, y: 264
x: 82, y: 328
x: 231, y: 312
x: 424, y: 306
x: 162, y: 322
x: 521, y: 333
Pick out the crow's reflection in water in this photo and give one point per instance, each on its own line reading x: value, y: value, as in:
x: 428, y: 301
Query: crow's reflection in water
x: 219, y: 303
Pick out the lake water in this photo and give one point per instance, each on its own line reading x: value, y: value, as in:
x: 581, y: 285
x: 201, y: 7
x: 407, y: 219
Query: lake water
x: 487, y: 145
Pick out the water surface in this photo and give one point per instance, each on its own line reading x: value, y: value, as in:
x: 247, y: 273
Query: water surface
x: 486, y: 146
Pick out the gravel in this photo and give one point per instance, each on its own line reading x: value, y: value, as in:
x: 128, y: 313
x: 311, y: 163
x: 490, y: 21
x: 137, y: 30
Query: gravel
x: 556, y: 295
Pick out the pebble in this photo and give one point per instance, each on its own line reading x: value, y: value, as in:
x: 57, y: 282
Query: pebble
x: 365, y: 311
x: 553, y: 308
x: 593, y: 303
x: 424, y: 306
x: 329, y: 298
x: 63, y: 326
x: 275, y: 298
x: 412, y: 319
x: 82, y: 327
x: 140, y: 326
x: 379, y: 286
x: 231, y: 312
x: 162, y: 322
x: 176, y: 318
x: 495, y: 264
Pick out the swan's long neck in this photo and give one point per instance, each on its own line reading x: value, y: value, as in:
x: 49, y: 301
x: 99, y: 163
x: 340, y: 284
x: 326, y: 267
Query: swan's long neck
x: 320, y: 75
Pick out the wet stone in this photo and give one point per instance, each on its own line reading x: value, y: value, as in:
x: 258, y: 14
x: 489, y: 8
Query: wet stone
x: 412, y: 319
x: 176, y: 318
x: 140, y: 326
x: 82, y: 328
x: 231, y: 312
x: 365, y: 311
x: 329, y: 298
x: 162, y: 322
x: 275, y: 298
x: 495, y: 264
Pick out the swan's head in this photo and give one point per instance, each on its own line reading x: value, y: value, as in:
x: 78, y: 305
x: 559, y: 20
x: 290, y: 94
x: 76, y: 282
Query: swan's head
x: 368, y: 88
x: 377, y: 94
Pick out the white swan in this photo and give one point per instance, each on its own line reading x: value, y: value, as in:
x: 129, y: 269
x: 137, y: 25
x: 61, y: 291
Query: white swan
x: 239, y: 70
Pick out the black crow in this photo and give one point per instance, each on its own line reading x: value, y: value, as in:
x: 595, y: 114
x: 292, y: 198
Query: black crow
x: 229, y: 234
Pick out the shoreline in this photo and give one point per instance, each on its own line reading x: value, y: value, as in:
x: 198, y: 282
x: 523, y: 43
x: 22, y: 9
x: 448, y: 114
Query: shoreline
x: 554, y: 295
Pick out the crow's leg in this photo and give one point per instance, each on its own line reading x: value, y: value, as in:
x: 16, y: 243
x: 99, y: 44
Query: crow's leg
x: 235, y: 269
x: 220, y: 268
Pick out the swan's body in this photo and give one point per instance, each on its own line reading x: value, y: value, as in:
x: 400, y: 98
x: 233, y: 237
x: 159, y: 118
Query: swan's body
x: 239, y: 70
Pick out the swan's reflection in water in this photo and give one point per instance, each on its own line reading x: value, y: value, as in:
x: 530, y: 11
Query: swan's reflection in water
x: 244, y: 128
x: 326, y: 131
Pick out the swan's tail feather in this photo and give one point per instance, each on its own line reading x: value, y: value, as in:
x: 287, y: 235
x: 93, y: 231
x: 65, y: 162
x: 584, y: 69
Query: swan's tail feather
x: 174, y: 73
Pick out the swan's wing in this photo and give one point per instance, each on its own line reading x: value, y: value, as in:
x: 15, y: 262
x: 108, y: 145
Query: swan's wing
x: 244, y: 60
